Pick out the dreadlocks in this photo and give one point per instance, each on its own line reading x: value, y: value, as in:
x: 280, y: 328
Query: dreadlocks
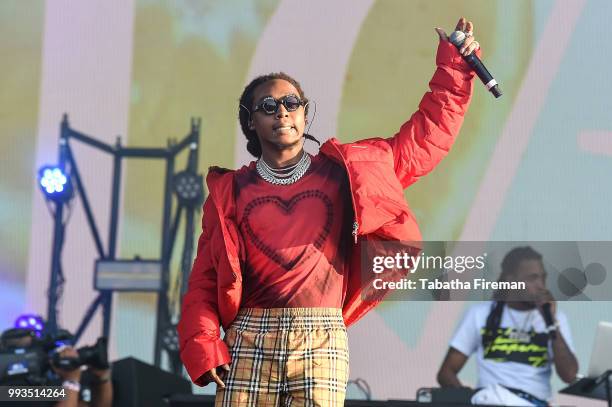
x: 246, y: 104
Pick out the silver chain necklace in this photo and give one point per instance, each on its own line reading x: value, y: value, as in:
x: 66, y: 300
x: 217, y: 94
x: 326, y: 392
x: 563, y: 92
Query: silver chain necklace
x: 522, y: 334
x: 283, y: 176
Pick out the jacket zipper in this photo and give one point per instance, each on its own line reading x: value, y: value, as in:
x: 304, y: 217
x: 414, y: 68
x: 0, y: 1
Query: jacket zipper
x: 348, y: 174
x: 355, y: 228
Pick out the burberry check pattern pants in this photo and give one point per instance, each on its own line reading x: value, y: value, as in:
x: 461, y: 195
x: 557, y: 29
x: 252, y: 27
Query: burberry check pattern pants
x: 286, y: 357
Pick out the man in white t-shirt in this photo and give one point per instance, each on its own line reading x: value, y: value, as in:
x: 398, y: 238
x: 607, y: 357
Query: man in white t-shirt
x: 514, y: 346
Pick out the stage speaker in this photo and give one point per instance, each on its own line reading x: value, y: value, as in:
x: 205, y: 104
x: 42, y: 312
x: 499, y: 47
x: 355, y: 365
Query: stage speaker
x: 137, y: 384
x: 199, y: 400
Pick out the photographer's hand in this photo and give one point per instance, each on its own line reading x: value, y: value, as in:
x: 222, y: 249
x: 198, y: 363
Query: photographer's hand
x: 67, y: 374
x: 101, y: 387
x: 70, y: 378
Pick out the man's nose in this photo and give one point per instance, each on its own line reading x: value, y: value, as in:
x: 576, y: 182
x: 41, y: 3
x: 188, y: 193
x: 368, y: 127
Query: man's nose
x: 281, y: 112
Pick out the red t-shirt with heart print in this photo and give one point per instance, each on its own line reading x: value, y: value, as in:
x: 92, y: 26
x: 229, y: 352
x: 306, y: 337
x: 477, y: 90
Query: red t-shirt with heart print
x: 295, y: 237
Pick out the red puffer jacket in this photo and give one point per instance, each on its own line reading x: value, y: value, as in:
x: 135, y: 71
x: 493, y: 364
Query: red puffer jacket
x: 378, y: 170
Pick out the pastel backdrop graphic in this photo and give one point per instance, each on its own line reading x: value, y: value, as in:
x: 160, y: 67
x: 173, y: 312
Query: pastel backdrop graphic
x: 531, y: 165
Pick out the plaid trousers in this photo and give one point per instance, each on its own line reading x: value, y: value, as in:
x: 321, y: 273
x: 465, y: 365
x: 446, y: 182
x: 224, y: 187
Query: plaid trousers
x: 286, y: 357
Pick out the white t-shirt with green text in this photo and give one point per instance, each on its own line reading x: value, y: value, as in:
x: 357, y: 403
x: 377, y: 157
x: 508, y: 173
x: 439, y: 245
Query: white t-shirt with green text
x: 520, y: 356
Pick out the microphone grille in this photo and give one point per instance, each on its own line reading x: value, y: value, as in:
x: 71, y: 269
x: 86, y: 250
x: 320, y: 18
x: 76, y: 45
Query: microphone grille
x: 457, y: 38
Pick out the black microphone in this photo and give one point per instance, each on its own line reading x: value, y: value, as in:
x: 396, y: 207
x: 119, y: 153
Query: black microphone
x: 457, y: 38
x: 550, y: 325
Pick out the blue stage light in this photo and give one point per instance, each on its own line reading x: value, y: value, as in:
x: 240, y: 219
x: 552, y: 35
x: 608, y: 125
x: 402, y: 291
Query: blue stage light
x: 54, y: 183
x: 29, y: 321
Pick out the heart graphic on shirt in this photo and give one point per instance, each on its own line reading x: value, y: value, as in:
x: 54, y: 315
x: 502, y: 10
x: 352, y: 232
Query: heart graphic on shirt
x: 281, y: 211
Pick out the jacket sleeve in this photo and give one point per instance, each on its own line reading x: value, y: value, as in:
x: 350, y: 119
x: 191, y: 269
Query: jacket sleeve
x: 201, y: 347
x: 427, y: 137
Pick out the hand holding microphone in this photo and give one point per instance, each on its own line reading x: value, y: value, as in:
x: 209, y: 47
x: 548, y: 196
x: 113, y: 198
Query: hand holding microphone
x: 548, y: 307
x: 463, y: 39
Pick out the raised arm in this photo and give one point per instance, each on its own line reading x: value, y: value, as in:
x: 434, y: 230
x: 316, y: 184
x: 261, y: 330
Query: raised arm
x: 201, y: 347
x: 426, y: 138
x: 564, y: 359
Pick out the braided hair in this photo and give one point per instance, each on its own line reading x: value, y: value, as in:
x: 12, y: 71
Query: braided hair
x: 246, y: 103
x: 509, y: 265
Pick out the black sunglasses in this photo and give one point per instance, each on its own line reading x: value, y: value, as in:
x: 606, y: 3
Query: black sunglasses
x: 269, y: 105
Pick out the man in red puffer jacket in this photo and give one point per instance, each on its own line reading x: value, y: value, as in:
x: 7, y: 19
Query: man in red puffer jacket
x: 276, y: 263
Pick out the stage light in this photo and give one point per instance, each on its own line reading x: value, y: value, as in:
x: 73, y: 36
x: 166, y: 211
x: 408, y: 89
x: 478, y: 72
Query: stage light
x: 128, y: 275
x: 33, y: 322
x: 54, y: 183
x: 188, y: 188
x: 170, y: 339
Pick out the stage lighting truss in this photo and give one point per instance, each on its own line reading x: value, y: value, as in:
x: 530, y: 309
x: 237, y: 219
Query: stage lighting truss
x: 188, y: 187
x: 55, y: 184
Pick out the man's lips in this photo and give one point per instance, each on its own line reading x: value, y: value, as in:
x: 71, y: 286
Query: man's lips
x: 283, y: 127
x: 279, y: 130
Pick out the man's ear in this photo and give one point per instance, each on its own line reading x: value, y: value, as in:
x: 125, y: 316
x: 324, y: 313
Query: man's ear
x: 251, y: 127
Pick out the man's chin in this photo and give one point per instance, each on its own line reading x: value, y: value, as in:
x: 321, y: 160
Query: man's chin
x: 287, y: 144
